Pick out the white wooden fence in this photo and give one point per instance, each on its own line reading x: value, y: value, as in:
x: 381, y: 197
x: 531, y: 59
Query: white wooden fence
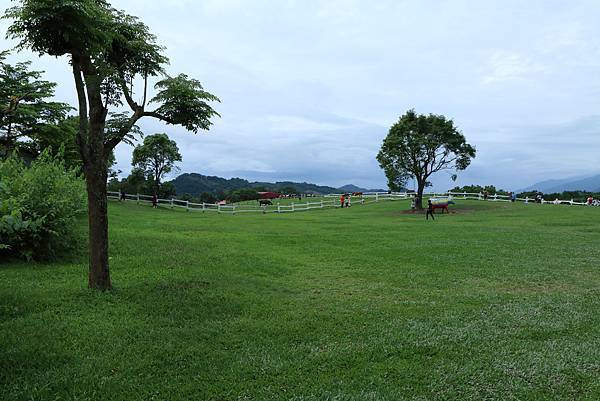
x: 329, y: 201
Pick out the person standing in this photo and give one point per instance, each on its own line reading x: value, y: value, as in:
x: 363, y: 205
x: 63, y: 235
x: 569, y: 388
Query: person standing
x: 154, y: 201
x: 348, y: 200
x: 342, y: 201
x: 429, y: 210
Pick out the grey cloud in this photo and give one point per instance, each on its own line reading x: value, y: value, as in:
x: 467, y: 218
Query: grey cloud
x: 310, y: 88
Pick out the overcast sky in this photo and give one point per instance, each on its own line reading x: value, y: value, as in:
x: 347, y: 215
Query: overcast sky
x: 309, y: 89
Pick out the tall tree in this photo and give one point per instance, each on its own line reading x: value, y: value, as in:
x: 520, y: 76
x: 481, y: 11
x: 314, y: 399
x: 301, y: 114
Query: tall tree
x: 156, y: 157
x: 418, y: 146
x: 108, y: 51
x: 24, y: 104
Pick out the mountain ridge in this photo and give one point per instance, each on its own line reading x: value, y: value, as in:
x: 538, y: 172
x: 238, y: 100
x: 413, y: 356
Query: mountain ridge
x: 195, y: 184
x: 581, y: 183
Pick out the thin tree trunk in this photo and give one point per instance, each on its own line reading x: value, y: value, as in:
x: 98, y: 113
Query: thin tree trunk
x: 99, y: 274
x: 420, y: 190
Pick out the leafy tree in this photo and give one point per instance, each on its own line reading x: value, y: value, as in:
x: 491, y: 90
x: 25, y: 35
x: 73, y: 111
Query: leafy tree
x: 187, y: 197
x: 156, y: 157
x: 207, y: 197
x: 58, y: 139
x: 288, y: 190
x: 108, y: 51
x: 24, y: 108
x: 490, y: 189
x: 242, y: 195
x: 418, y: 146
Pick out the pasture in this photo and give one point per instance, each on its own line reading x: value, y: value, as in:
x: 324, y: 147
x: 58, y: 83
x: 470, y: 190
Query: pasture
x: 496, y: 301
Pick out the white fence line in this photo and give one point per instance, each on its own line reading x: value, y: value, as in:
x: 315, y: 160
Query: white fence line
x: 365, y: 199
x: 275, y: 208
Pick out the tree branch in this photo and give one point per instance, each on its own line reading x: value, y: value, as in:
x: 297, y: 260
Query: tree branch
x: 132, y: 104
x: 145, y: 89
x: 81, y: 137
x: 112, y: 142
x: 158, y: 116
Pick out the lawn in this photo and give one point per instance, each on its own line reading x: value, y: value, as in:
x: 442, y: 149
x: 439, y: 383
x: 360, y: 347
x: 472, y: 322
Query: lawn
x: 494, y: 302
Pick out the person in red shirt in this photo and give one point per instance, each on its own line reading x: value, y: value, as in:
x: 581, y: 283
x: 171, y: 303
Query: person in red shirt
x: 342, y: 201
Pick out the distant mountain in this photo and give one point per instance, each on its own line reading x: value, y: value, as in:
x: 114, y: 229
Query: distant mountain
x: 591, y: 184
x: 194, y: 184
x: 354, y: 188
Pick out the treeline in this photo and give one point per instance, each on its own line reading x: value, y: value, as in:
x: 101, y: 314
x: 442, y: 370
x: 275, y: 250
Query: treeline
x: 138, y: 182
x: 196, y: 184
x: 577, y: 196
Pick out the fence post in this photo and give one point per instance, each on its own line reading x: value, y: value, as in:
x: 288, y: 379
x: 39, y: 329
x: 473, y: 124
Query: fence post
x: 218, y: 208
x: 495, y: 197
x: 187, y: 205
x: 234, y: 210
x: 264, y: 209
x: 571, y: 201
x: 480, y: 196
x: 278, y: 208
x: 376, y: 196
x: 292, y: 206
x: 321, y: 203
x: 171, y: 203
x: 203, y: 207
x: 464, y: 195
x: 137, y: 199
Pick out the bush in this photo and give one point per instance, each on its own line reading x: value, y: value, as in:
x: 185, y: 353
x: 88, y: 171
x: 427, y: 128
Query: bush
x: 38, y: 206
x: 242, y: 195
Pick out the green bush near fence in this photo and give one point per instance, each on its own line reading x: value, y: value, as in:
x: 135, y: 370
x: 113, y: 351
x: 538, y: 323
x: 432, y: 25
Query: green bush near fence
x: 38, y: 206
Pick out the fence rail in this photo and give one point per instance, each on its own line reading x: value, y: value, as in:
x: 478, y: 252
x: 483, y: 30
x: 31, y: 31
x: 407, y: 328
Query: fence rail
x: 329, y: 201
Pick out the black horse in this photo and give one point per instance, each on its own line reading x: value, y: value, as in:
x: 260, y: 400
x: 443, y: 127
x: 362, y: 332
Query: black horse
x: 264, y: 202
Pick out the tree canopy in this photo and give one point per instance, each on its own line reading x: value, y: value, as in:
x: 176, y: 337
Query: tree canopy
x: 24, y: 105
x: 109, y: 51
x: 156, y: 157
x: 418, y: 146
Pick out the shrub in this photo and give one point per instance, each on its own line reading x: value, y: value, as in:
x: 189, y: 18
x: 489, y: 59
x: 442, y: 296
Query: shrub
x: 38, y: 206
x: 242, y: 195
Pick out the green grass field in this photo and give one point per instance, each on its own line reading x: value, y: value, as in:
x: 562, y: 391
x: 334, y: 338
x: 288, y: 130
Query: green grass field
x: 493, y: 302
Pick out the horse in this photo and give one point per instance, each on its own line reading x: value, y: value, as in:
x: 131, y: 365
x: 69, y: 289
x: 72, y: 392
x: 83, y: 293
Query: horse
x: 264, y: 202
x: 441, y: 203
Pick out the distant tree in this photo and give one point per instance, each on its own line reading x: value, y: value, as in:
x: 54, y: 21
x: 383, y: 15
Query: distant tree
x: 156, y: 157
x: 108, y: 50
x: 187, y: 197
x: 288, y: 190
x: 418, y: 146
x: 490, y: 189
x: 24, y: 105
x: 166, y: 191
x: 59, y: 139
x: 242, y: 195
x: 207, y: 197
